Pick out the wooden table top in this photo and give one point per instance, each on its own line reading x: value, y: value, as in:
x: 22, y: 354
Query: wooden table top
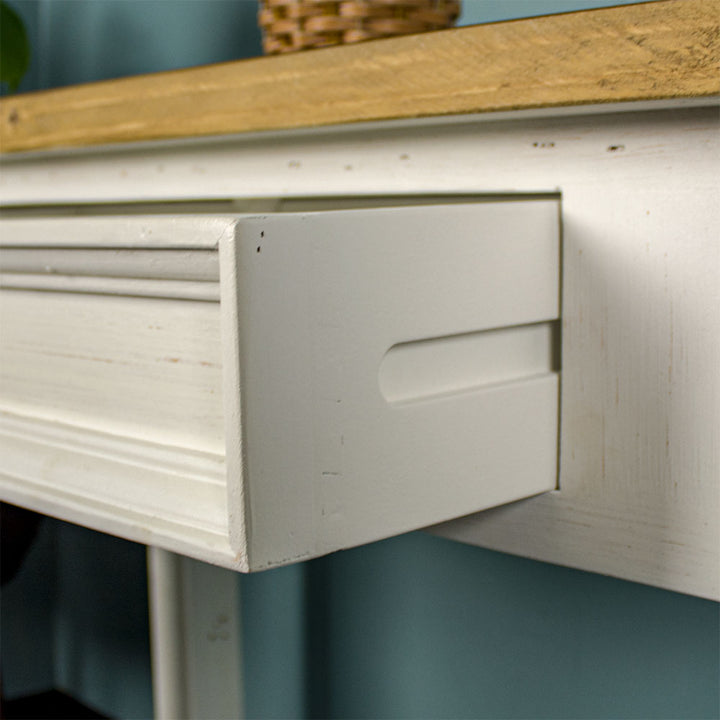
x: 649, y: 51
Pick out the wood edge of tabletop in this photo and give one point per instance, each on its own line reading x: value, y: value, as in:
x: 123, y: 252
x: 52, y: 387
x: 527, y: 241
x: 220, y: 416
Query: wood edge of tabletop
x: 648, y: 51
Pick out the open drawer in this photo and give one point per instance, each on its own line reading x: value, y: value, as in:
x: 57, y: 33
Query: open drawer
x: 257, y: 390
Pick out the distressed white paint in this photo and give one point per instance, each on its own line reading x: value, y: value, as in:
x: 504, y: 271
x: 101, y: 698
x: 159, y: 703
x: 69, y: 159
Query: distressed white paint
x: 181, y: 265
x: 640, y: 465
x: 149, y: 368
x: 411, y: 156
x: 258, y: 423
x: 111, y: 407
x: 128, y: 287
x: 148, y: 492
x: 133, y: 233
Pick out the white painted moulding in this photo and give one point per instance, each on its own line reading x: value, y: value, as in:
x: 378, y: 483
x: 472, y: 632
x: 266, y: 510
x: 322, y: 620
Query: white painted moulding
x: 364, y: 373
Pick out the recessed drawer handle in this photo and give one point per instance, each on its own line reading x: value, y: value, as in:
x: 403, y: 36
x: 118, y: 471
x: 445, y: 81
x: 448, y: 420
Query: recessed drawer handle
x: 456, y: 363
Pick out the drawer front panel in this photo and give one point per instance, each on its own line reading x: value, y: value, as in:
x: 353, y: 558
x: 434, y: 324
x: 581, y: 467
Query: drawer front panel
x: 148, y: 368
x: 111, y: 378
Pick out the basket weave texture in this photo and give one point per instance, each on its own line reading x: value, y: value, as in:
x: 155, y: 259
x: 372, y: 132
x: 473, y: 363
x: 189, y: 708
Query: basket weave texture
x: 290, y: 25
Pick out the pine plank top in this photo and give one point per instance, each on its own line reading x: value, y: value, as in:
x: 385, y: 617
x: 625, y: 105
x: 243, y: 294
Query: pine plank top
x: 649, y: 51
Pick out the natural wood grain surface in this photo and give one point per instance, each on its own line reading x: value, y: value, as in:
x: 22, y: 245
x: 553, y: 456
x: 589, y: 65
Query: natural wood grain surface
x: 638, y: 52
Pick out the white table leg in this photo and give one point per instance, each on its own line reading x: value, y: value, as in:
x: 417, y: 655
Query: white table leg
x: 195, y: 639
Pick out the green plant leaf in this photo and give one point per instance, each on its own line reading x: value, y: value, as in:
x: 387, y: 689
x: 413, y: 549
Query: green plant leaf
x: 14, y: 47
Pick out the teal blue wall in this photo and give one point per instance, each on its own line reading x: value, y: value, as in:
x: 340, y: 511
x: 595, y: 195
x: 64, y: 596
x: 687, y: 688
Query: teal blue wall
x: 27, y: 612
x: 77, y: 41
x: 475, y: 12
x: 410, y: 627
x: 101, y: 626
x: 420, y: 627
x: 76, y: 618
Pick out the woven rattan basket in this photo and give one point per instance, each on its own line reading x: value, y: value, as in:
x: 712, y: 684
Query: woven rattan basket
x: 290, y: 25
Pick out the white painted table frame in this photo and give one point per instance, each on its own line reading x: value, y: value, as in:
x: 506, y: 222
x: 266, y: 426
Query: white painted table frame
x: 639, y: 481
x: 639, y: 445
